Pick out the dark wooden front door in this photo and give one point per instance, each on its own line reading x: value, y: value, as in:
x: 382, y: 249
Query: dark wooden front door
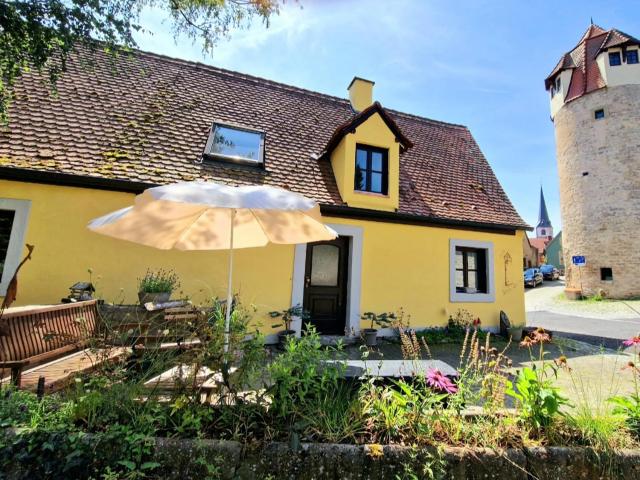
x: 325, y: 285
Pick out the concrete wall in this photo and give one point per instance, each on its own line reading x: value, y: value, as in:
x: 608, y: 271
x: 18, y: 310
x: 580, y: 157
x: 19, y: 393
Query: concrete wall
x: 598, y: 165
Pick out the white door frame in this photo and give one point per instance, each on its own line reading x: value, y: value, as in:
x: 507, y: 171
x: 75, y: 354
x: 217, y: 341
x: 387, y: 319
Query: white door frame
x: 354, y: 281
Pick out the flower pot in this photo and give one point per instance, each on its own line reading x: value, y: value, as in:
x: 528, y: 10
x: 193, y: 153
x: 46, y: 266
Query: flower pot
x: 159, y: 297
x: 284, y: 336
x: 370, y: 337
x: 515, y: 333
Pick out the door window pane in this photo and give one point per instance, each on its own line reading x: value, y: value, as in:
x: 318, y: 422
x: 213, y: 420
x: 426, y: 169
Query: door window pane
x: 324, y: 265
x: 6, y: 224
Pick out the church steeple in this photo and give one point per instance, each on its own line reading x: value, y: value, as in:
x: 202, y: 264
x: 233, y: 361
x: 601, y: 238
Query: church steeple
x: 543, y: 228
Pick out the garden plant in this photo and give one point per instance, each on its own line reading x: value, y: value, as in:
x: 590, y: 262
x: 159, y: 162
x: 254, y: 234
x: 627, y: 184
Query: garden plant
x: 104, y: 425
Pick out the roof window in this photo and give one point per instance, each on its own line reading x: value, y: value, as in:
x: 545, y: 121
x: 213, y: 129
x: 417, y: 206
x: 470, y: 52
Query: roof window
x: 236, y: 144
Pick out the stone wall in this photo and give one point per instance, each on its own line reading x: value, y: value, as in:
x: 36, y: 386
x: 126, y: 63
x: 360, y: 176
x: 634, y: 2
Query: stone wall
x: 599, y: 169
x: 182, y: 459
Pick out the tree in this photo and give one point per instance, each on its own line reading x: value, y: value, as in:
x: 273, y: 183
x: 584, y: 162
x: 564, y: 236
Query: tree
x: 40, y: 34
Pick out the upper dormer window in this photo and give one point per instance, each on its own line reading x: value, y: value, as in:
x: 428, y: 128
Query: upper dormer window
x: 372, y: 170
x: 557, y: 86
x: 615, y: 59
x: 236, y: 144
x: 632, y: 56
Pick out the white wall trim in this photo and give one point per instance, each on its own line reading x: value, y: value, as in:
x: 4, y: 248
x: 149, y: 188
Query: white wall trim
x: 16, y: 239
x: 457, y: 297
x: 354, y: 282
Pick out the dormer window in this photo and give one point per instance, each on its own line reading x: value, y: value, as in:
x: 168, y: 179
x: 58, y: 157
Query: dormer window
x: 372, y: 170
x: 236, y: 144
x: 615, y: 59
x: 558, y: 85
x: 632, y: 56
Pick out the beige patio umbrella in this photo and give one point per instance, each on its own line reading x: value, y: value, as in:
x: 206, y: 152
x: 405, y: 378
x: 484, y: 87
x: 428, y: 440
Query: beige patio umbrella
x: 209, y: 216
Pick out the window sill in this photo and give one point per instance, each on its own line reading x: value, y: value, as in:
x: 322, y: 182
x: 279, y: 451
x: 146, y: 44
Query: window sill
x: 209, y: 159
x: 458, y: 297
x: 371, y: 194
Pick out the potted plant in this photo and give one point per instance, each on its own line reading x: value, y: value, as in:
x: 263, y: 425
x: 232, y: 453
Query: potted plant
x: 382, y: 320
x: 515, y: 332
x: 285, y: 318
x: 157, y: 286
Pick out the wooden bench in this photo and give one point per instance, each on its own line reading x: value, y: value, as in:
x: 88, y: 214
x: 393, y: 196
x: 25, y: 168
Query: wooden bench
x: 50, y: 342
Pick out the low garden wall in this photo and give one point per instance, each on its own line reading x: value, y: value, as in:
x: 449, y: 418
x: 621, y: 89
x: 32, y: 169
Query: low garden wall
x: 182, y: 459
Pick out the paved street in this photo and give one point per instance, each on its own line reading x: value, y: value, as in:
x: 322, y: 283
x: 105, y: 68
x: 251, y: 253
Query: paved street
x: 605, y: 322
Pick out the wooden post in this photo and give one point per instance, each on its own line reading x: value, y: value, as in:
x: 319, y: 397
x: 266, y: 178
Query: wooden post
x: 16, y: 376
x: 40, y: 390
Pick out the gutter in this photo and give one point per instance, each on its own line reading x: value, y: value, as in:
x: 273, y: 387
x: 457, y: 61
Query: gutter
x: 421, y: 220
x: 71, y: 180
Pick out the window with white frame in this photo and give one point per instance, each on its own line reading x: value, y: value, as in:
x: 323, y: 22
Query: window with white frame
x: 471, y: 271
x: 234, y: 143
x: 13, y: 224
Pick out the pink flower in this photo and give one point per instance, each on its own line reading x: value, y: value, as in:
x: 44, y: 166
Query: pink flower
x: 632, y: 341
x: 439, y: 381
x: 476, y: 322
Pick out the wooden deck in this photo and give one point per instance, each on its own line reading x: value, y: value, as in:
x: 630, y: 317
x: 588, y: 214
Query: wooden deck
x: 60, y: 372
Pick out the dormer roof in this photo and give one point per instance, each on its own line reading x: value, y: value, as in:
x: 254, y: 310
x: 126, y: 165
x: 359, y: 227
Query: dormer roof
x: 586, y: 76
x: 358, y: 119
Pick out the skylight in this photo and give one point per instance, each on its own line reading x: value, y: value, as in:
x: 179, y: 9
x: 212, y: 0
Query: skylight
x: 236, y: 144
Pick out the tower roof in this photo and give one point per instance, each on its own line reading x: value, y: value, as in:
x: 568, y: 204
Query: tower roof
x: 543, y: 216
x: 586, y: 77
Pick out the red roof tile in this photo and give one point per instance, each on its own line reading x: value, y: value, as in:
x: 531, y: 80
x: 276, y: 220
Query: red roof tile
x: 586, y: 76
x: 146, y: 118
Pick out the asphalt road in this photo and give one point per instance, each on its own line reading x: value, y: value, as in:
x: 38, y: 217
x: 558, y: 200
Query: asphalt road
x: 600, y: 323
x: 606, y: 332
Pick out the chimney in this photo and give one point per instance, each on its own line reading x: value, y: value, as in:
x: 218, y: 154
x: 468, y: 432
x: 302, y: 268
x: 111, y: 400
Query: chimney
x: 360, y: 93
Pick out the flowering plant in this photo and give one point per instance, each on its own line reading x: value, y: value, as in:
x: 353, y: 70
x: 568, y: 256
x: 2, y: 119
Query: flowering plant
x: 440, y: 382
x: 629, y: 405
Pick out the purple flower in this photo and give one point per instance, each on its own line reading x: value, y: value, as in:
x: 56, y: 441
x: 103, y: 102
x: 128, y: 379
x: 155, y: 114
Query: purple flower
x: 439, y: 381
x: 632, y: 341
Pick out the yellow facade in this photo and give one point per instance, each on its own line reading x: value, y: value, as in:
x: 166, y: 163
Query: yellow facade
x: 375, y: 133
x: 402, y: 265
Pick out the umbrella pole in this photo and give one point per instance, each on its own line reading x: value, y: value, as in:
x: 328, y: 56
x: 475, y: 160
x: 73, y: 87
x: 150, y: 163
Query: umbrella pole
x: 227, y: 319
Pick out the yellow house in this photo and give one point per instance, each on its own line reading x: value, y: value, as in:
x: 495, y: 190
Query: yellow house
x: 424, y: 224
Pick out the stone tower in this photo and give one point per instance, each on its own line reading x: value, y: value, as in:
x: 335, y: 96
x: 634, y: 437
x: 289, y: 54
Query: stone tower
x: 543, y: 228
x: 595, y: 108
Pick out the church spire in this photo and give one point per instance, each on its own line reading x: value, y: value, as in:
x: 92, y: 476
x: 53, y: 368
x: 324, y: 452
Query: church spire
x: 544, y: 228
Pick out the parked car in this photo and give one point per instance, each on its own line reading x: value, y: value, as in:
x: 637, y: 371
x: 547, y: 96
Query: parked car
x: 549, y: 272
x: 532, y: 277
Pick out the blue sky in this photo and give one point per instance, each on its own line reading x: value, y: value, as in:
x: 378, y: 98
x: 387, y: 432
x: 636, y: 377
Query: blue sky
x: 479, y: 63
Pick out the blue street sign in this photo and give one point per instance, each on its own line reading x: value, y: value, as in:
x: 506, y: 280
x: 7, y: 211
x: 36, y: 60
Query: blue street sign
x: 579, y: 260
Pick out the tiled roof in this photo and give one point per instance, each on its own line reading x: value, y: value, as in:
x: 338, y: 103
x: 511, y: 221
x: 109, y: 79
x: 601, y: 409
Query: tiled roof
x: 539, y: 243
x: 146, y: 118
x: 586, y: 76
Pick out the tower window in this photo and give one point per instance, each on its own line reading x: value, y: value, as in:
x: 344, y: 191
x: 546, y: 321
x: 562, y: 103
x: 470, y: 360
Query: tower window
x: 598, y: 114
x: 372, y: 170
x: 606, y: 274
x: 615, y: 59
x: 632, y: 56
